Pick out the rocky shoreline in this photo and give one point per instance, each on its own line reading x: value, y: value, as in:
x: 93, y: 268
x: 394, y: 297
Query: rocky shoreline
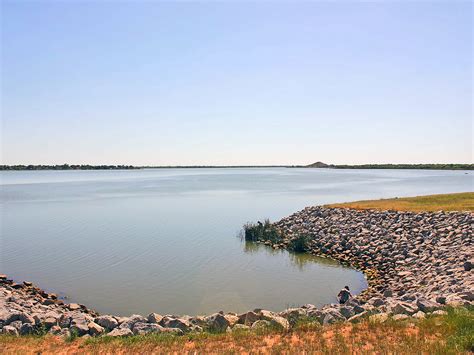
x: 415, y: 263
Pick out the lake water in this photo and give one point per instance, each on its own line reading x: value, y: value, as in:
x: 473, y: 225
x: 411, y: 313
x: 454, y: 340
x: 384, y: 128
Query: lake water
x: 166, y: 240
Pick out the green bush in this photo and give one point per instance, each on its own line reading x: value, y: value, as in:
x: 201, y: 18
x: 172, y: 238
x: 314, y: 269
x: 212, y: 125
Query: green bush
x: 255, y: 232
x: 299, y: 244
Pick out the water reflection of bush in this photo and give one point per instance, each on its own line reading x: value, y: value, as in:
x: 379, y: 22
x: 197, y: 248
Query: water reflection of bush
x: 300, y: 260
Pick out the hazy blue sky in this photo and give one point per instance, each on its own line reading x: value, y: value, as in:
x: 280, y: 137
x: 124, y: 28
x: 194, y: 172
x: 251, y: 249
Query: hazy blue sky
x: 236, y: 83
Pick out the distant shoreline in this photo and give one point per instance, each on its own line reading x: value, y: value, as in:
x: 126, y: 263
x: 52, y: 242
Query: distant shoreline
x: 312, y: 166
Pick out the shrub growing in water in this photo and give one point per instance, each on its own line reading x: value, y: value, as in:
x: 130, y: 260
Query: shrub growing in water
x: 254, y: 232
x: 300, y: 243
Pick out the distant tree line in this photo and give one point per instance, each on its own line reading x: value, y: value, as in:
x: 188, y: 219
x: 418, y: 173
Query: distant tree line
x: 315, y: 165
x: 67, y: 167
x: 407, y: 166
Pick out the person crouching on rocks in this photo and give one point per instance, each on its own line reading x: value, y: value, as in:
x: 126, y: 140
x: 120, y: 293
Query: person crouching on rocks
x: 344, y: 295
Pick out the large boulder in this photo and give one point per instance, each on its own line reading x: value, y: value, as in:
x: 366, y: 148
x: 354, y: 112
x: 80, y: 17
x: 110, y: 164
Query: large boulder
x: 180, y: 323
x: 50, y: 322
x: 107, y: 322
x: 26, y: 318
x: 10, y: 330
x: 26, y: 329
x: 293, y: 315
x: 129, y: 322
x: 145, y: 328
x: 74, y: 307
x: 120, y: 332
x: 404, y: 308
x: 275, y: 319
x: 217, y: 322
x: 231, y: 318
x: 154, y: 318
x: 248, y: 318
x: 317, y: 315
x: 79, y: 328
x: 347, y: 312
x: 95, y: 329
x: 426, y: 305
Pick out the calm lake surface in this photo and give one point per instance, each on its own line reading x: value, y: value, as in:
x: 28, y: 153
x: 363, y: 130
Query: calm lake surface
x: 166, y: 240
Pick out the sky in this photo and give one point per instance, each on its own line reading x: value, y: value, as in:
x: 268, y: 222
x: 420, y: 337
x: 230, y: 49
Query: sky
x: 236, y: 83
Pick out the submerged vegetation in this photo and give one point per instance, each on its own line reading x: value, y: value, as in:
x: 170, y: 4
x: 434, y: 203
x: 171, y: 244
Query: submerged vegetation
x: 452, y: 333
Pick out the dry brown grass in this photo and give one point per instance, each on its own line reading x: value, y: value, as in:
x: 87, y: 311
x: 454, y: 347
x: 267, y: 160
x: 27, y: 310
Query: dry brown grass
x: 446, y: 202
x: 436, y: 335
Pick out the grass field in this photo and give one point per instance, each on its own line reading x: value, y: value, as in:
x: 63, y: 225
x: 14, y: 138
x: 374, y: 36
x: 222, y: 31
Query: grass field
x: 450, y: 334
x: 446, y: 202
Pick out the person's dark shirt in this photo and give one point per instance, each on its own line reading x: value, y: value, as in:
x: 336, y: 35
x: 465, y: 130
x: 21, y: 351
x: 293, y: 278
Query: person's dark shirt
x: 344, y: 295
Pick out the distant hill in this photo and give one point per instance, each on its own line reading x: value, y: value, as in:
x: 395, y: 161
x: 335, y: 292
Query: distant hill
x: 318, y: 164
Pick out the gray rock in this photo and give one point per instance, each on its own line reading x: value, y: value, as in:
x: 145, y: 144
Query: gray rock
x: 25, y: 318
x: 293, y: 315
x: 10, y: 330
x: 79, y: 328
x: 145, y: 328
x: 154, y: 318
x: 179, y: 323
x: 248, y: 318
x: 130, y: 321
x: 95, y: 329
x: 107, y: 322
x: 50, y: 322
x: 275, y: 319
x: 347, y: 312
x: 120, y: 332
x: 17, y: 324
x: 217, y: 322
x: 64, y: 321
x: 26, y: 329
x: 403, y: 308
x: 358, y: 309
x: 426, y: 305
x: 74, y: 307
x: 467, y: 295
x: 468, y: 265
x: 377, y: 302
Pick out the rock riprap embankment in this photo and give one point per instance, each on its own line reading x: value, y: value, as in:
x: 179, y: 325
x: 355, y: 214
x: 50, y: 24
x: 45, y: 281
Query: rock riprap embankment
x: 415, y: 263
x: 405, y: 255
